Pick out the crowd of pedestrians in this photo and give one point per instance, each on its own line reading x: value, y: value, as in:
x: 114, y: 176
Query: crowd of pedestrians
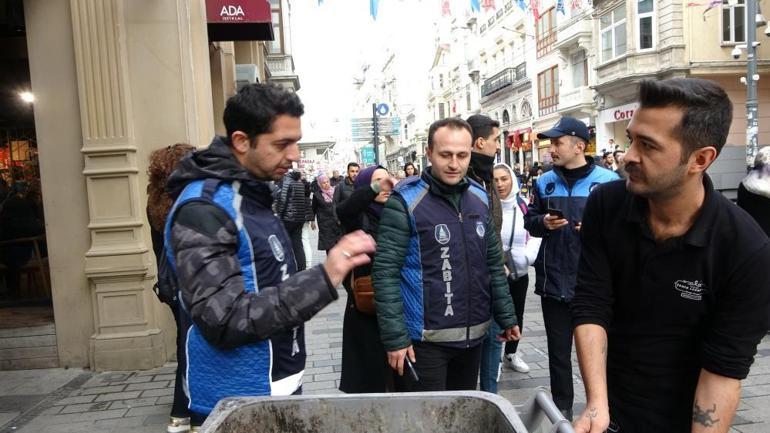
x: 630, y: 251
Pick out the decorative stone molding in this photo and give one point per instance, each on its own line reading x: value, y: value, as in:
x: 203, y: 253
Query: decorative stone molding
x: 118, y: 262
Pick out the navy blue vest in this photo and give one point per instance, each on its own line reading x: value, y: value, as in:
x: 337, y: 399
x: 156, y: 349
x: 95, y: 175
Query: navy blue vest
x: 269, y: 367
x: 445, y: 282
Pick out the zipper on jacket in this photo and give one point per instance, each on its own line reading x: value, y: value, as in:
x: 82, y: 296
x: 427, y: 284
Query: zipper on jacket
x: 468, y: 267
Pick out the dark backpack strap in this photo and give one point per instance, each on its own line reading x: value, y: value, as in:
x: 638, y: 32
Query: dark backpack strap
x: 209, y: 188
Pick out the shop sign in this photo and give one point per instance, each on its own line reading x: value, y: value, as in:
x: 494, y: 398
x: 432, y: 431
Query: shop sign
x: 618, y: 114
x: 238, y: 11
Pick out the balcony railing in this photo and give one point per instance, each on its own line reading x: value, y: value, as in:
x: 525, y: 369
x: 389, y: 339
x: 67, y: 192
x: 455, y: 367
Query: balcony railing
x: 280, y: 64
x: 503, y: 79
x: 545, y: 43
x: 548, y: 104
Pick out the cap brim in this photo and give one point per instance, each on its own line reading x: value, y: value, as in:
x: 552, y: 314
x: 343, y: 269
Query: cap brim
x: 551, y: 133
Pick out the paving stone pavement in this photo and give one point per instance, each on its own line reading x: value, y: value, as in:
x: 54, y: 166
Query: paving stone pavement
x: 74, y: 400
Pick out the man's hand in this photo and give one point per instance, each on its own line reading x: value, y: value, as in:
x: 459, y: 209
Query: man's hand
x: 553, y: 222
x: 595, y: 419
x: 351, y: 251
x: 577, y: 227
x: 396, y: 359
x: 510, y: 334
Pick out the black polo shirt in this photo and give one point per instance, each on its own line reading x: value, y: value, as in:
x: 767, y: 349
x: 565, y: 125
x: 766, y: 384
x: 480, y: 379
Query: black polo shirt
x: 671, y: 308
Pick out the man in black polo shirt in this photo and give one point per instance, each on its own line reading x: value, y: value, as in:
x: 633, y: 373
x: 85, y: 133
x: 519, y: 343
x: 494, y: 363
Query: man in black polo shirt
x: 673, y: 288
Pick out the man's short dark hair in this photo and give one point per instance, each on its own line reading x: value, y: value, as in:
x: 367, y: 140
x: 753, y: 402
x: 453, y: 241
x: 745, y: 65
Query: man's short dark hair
x: 254, y: 108
x: 482, y: 126
x: 449, y: 122
x: 615, y: 153
x: 352, y: 164
x: 707, y: 109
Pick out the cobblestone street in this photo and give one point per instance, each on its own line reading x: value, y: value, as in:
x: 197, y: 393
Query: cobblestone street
x: 64, y: 401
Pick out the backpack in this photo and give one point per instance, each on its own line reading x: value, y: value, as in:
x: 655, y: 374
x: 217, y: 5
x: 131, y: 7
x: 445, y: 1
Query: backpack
x: 166, y: 287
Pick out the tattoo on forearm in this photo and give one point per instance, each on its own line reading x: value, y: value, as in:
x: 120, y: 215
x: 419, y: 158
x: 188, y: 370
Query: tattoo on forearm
x: 704, y: 417
x: 593, y: 413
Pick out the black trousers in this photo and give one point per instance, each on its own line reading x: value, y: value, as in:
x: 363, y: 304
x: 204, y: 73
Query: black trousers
x: 518, y: 289
x: 181, y: 402
x: 558, y: 330
x: 441, y: 368
x: 295, y: 233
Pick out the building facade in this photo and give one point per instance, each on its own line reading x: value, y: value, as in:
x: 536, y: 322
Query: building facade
x: 115, y: 80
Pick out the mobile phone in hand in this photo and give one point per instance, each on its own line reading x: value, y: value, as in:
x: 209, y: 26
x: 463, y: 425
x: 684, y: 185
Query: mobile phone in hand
x: 555, y: 212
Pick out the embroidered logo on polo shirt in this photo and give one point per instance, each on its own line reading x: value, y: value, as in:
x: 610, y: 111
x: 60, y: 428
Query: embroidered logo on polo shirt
x: 441, y: 233
x: 692, y: 290
x: 276, y: 247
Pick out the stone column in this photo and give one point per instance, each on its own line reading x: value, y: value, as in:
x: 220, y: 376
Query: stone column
x: 118, y: 262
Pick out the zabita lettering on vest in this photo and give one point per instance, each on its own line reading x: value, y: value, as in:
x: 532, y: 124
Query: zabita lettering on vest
x: 446, y: 272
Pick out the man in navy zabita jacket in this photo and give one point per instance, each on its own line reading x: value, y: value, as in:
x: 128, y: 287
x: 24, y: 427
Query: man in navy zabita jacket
x: 243, y: 301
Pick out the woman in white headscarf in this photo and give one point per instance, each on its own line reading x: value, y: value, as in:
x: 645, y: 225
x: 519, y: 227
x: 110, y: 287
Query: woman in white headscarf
x: 754, y: 190
x: 520, y: 252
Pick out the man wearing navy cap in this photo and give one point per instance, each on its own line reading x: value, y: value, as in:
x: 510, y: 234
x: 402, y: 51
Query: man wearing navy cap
x: 556, y: 215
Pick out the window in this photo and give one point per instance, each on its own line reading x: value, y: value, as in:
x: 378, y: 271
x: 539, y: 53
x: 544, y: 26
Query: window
x: 506, y: 117
x: 645, y: 11
x: 441, y: 80
x: 468, y: 98
x: 579, y: 65
x: 276, y: 45
x: 441, y: 110
x: 513, y: 113
x: 733, y: 22
x: 613, y: 30
x: 546, y: 32
x: 548, y: 90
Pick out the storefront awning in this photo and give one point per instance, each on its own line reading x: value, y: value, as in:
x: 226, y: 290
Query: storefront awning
x: 239, y: 20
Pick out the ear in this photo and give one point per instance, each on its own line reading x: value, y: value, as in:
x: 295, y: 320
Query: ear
x: 428, y: 152
x: 479, y: 143
x: 701, y: 159
x: 240, y: 142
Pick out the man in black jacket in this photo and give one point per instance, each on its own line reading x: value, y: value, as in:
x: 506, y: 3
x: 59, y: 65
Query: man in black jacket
x: 344, y: 189
x: 673, y: 291
x: 243, y: 302
x: 293, y: 209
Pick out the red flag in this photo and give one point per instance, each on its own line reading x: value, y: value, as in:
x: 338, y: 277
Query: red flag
x: 535, y: 5
x: 445, y: 9
x: 576, y: 4
x: 488, y: 5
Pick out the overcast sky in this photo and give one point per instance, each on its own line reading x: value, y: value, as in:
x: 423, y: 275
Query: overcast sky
x: 330, y: 42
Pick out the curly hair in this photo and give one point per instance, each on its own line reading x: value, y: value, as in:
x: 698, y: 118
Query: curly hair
x: 162, y: 164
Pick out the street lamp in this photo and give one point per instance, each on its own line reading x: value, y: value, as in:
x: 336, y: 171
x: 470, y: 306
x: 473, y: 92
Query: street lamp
x: 751, y: 78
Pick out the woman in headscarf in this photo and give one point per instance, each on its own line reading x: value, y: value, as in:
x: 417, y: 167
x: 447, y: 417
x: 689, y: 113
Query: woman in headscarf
x: 162, y: 163
x: 754, y: 190
x: 364, y: 363
x: 323, y: 210
x: 520, y: 252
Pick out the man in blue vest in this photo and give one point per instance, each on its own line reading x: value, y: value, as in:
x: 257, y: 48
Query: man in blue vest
x: 243, y: 301
x: 438, y: 272
x: 556, y: 215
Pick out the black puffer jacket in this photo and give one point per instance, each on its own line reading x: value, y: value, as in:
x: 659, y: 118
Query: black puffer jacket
x: 294, y: 201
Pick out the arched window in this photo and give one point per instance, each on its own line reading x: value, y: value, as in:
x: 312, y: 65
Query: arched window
x: 526, y: 110
x: 513, y: 113
x: 506, y: 117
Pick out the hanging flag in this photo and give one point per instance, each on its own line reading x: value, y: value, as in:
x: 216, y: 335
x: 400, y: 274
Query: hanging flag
x: 475, y: 5
x: 373, y: 5
x: 522, y: 5
x: 445, y: 8
x: 560, y: 7
x: 488, y: 5
x: 535, y: 6
x: 576, y: 4
x: 711, y: 5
